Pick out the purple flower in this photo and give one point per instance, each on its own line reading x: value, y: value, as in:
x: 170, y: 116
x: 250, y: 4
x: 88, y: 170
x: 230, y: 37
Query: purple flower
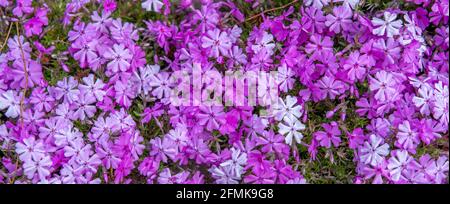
x: 373, y: 151
x: 120, y: 58
x: 384, y: 85
x: 208, y: 117
x: 319, y: 46
x: 40, y: 164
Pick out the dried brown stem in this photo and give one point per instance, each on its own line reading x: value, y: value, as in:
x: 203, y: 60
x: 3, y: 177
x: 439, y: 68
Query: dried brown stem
x: 270, y: 10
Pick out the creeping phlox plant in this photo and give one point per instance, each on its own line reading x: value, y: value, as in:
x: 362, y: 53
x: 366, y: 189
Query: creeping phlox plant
x: 342, y: 91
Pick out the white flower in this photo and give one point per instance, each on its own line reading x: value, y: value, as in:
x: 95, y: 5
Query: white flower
x: 389, y: 25
x: 152, y: 5
x: 224, y: 175
x: 12, y: 102
x: 291, y: 130
x: 284, y: 79
x: 373, y: 153
x: 398, y: 163
x: 424, y: 101
x: 287, y: 109
x: 351, y: 3
x: 237, y: 162
x: 265, y: 42
x: 441, y: 109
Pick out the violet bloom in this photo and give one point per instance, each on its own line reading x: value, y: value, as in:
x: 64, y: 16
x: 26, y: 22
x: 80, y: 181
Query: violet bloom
x: 319, y: 46
x: 166, y: 177
x: 86, y: 52
x: 407, y: 138
x: 266, y: 176
x: 208, y: 117
x: 356, y: 138
x: 120, y: 58
x: 217, y: 41
x: 163, y: 149
x: 149, y: 167
x: 85, y: 106
x: 341, y: 18
x: 41, y: 100
x: 123, y: 93
x: 67, y: 89
x: 30, y: 149
x: 16, y: 45
x: 439, y: 169
x: 109, y: 158
x: 34, y: 72
x: 23, y: 7
x: 161, y: 84
x: 35, y: 24
x: 376, y: 172
x: 265, y: 41
x: 355, y: 66
x: 373, y: 151
x: 313, y: 19
x: 93, y: 87
x: 330, y: 136
x: 101, y: 23
x: 179, y: 136
x: 425, y: 99
x: 229, y: 123
x: 388, y: 49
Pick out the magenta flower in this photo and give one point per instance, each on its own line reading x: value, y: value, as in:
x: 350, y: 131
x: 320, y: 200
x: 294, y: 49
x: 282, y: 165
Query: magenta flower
x: 319, y: 46
x: 341, y: 19
x: 355, y: 66
x: 330, y: 136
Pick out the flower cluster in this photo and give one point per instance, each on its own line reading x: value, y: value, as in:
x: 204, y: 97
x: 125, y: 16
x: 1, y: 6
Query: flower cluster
x: 93, y: 106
